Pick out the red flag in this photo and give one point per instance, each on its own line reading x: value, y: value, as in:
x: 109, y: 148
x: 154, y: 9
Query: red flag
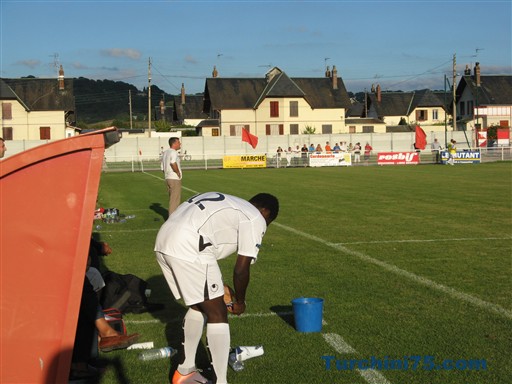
x: 249, y: 138
x: 421, y: 138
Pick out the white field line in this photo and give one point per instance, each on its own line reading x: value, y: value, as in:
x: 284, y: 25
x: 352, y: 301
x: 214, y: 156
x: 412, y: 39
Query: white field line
x: 409, y: 275
x: 373, y: 377
x: 342, y: 347
x: 337, y: 342
x: 244, y: 315
x: 425, y: 240
x: 161, y: 178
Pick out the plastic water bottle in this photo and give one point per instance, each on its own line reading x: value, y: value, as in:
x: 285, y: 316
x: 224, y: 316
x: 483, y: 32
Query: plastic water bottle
x: 234, y: 363
x: 155, y: 354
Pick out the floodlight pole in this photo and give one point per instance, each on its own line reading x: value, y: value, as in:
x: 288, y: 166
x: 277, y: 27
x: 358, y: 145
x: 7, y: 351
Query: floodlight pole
x: 445, y: 113
x: 149, y: 98
x: 454, y: 94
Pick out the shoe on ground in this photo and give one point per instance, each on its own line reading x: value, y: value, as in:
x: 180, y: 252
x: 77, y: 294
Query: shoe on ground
x: 111, y: 343
x: 192, y: 378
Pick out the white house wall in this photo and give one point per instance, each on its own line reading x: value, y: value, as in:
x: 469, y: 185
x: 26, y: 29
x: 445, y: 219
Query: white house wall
x: 258, y: 119
x: 25, y: 125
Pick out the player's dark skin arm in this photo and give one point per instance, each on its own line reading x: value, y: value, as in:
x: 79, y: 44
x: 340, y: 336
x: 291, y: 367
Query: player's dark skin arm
x: 215, y: 309
x: 241, y: 277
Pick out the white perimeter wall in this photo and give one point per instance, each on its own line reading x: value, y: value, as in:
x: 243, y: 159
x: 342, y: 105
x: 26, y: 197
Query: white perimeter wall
x: 220, y: 145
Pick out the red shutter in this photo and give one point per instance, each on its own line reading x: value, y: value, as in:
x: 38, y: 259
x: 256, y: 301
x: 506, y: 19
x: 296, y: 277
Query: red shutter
x: 44, y: 133
x: 274, y: 109
x: 267, y: 129
x: 6, y: 111
x: 281, y: 129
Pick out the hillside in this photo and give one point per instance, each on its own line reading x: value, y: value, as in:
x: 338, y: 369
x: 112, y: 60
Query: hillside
x: 98, y: 100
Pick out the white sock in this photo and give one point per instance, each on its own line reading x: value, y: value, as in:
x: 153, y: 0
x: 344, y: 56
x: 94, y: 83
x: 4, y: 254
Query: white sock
x: 193, y: 325
x: 219, y: 340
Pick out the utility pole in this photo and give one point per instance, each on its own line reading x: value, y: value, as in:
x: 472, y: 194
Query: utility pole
x: 130, y: 104
x: 454, y: 82
x: 149, y: 98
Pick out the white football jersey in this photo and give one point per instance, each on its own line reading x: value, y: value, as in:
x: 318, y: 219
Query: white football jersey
x: 211, y: 226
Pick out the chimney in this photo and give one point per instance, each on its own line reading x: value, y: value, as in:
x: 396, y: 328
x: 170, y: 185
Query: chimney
x: 182, y: 94
x: 162, y: 107
x: 379, y: 94
x: 214, y: 72
x: 61, y: 78
x: 477, y: 74
x: 327, y: 72
x: 467, y: 71
x: 334, y: 77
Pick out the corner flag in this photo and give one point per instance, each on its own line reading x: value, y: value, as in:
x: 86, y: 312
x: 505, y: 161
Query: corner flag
x: 249, y: 138
x: 421, y: 138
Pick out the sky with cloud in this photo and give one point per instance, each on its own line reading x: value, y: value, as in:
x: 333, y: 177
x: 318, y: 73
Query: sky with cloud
x: 401, y: 45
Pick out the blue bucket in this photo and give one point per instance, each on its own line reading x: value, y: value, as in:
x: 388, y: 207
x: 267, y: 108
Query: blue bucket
x: 308, y: 314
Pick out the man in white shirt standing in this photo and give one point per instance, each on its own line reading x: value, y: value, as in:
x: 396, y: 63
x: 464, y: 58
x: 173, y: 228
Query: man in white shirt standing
x: 172, y: 173
x: 204, y: 229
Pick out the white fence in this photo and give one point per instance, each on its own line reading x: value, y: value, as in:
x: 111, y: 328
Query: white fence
x: 208, y: 151
x: 142, y: 163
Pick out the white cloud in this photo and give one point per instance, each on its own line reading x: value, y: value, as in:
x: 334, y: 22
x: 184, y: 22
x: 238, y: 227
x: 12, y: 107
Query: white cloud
x: 190, y: 59
x: 119, y: 52
x: 29, y: 63
x: 78, y: 65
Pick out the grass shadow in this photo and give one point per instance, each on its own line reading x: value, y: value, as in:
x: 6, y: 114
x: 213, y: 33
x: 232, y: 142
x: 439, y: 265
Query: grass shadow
x: 285, y: 312
x: 158, y: 209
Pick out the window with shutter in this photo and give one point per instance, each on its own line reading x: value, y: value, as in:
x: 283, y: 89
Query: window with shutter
x: 7, y: 133
x: 326, y: 129
x: 6, y: 111
x: 44, y: 133
x: 294, y: 108
x: 274, y: 109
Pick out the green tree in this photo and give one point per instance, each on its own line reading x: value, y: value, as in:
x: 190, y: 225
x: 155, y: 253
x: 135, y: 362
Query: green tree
x: 309, y: 130
x: 162, y: 126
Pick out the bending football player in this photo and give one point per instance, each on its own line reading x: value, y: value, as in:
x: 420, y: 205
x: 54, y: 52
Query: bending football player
x: 206, y: 228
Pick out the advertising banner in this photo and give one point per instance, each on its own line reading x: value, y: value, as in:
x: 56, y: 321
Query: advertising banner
x: 465, y: 157
x: 330, y: 159
x: 503, y: 137
x: 245, y: 161
x: 482, y: 138
x: 396, y: 158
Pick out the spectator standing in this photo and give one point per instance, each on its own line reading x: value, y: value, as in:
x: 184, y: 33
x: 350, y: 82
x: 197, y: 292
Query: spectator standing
x: 436, y: 151
x: 319, y: 148
x: 357, y: 153
x: 172, y: 173
x: 304, y: 155
x: 367, y: 152
x: 288, y: 156
x: 452, y: 151
x: 336, y: 148
x: 328, y: 148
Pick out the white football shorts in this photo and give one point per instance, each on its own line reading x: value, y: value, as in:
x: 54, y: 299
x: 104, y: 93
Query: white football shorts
x: 194, y: 282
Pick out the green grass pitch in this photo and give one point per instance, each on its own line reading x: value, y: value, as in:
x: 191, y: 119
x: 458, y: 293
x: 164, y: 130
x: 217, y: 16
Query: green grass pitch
x: 413, y: 263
